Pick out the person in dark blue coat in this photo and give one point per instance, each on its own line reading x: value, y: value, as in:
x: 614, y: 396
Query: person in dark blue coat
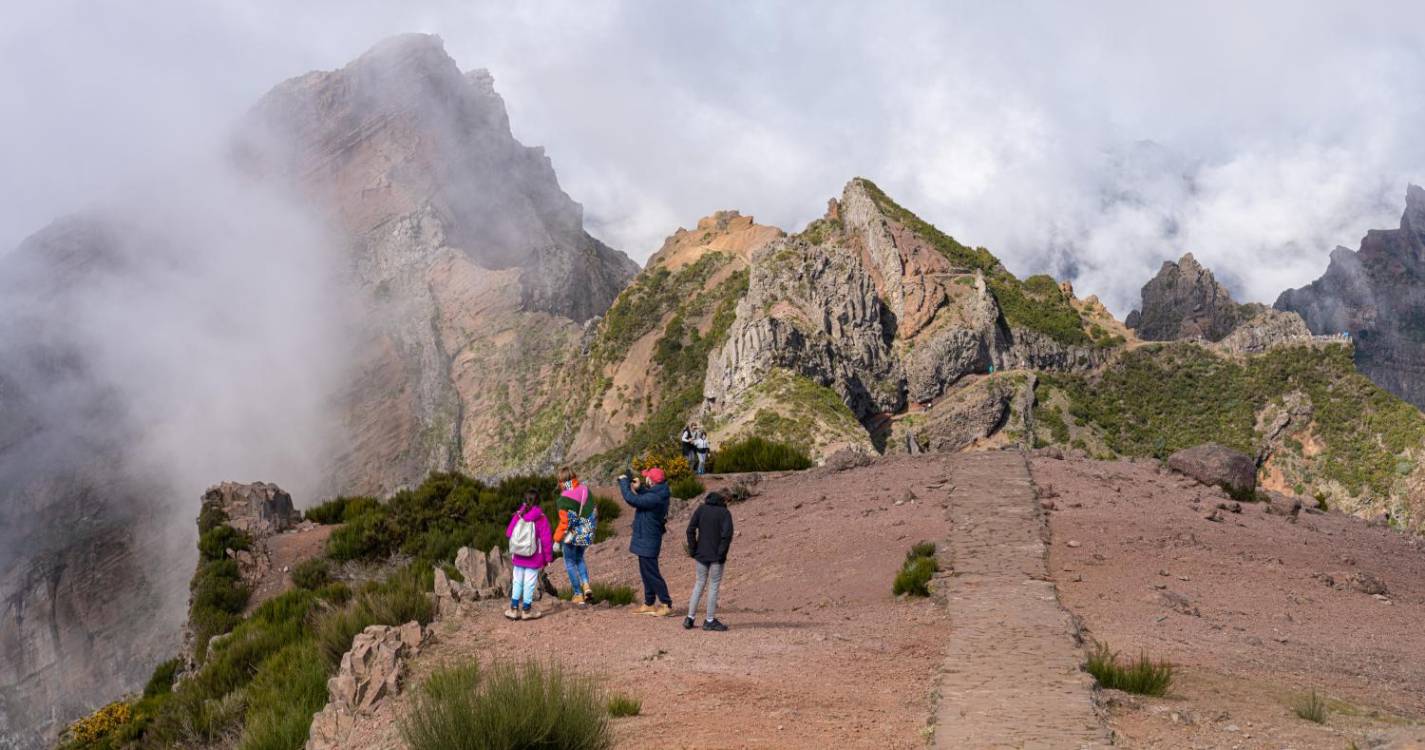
x: 650, y: 520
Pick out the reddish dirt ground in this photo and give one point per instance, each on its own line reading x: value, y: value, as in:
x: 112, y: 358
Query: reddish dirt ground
x: 1239, y: 606
x: 285, y: 550
x: 819, y: 653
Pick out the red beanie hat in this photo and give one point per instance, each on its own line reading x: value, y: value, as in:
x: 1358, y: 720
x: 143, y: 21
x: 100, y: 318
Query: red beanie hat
x: 654, y: 475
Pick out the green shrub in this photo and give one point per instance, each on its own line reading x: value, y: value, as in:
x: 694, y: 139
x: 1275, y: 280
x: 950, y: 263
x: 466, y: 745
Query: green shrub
x: 758, y: 454
x: 312, y: 574
x: 340, y: 509
x: 1142, y: 675
x: 621, y: 705
x: 214, y: 543
x: 396, y: 601
x: 504, y: 706
x: 289, y: 687
x: 617, y: 596
x: 687, y: 487
x: 919, y: 567
x: 219, y: 596
x: 366, y: 537
x: 1311, y: 707
x: 161, y: 681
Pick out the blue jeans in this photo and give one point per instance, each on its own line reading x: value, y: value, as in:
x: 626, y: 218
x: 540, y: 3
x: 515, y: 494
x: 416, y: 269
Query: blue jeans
x: 574, y: 565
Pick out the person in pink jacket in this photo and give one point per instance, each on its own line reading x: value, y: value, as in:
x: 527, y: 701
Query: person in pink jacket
x: 531, y: 548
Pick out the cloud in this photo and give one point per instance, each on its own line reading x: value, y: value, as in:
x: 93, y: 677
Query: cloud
x: 1278, y: 130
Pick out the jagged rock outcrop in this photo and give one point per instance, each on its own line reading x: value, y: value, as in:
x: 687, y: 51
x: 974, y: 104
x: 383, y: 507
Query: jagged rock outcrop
x: 1269, y: 328
x: 886, y: 311
x: 371, y: 672
x: 261, y: 509
x: 1184, y: 301
x: 1377, y: 295
x: 485, y: 575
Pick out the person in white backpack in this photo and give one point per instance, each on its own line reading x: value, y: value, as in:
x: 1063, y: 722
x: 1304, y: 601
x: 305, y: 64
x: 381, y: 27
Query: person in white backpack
x: 531, y: 548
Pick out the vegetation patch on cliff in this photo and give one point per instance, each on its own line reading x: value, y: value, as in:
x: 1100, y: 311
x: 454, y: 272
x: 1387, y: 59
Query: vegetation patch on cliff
x: 1159, y: 399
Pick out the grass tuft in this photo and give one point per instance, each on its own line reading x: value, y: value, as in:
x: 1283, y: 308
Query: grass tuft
x: 312, y: 574
x: 621, y: 705
x: 617, y: 596
x: 1142, y: 675
x: 917, y: 570
x: 1311, y: 707
x: 506, y: 707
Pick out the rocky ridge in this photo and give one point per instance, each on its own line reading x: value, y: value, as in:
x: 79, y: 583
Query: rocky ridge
x: 1377, y: 295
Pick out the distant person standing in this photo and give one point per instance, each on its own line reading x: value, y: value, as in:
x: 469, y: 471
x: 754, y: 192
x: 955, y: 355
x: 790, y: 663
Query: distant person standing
x: 650, y: 521
x: 685, y: 443
x: 709, y: 537
x: 701, y: 448
x: 577, y: 520
x: 531, y: 548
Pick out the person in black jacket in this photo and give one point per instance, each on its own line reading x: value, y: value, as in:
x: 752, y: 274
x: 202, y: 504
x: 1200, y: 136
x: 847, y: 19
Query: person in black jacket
x: 709, y: 537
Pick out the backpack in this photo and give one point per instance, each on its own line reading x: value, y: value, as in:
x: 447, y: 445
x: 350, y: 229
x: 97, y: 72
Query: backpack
x: 525, y: 541
x: 581, y: 529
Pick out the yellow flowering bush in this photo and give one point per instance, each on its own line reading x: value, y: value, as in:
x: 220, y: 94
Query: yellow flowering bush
x: 99, y: 724
x: 667, y: 458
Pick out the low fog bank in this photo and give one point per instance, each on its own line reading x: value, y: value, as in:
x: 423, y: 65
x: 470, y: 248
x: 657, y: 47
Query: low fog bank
x: 188, y: 331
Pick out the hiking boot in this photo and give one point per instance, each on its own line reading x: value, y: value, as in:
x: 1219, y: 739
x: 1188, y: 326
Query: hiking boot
x: 576, y: 599
x: 588, y: 591
x: 512, y: 614
x: 531, y: 614
x: 643, y: 609
x: 662, y: 610
x: 714, y: 625
x: 688, y: 622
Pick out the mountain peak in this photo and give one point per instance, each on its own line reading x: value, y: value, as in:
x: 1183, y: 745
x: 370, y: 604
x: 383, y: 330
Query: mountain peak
x: 1414, y: 218
x: 1185, y: 300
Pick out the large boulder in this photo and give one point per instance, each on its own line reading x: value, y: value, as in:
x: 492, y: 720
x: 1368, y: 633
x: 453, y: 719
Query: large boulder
x: 1218, y: 466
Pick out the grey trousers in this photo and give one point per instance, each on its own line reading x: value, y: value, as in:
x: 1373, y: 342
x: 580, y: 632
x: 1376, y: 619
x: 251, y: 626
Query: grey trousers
x: 712, y: 576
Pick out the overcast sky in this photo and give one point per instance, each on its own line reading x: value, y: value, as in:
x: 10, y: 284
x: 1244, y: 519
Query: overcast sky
x: 1089, y: 140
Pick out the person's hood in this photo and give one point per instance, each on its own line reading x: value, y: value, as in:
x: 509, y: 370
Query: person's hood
x: 531, y: 512
x: 578, y: 493
x: 714, y: 498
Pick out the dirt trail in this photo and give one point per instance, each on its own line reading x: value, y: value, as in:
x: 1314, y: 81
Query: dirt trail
x: 1011, y: 677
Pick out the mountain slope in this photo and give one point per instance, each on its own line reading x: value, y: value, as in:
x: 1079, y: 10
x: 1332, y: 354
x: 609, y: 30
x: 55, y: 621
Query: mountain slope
x: 463, y: 278
x: 1377, y: 294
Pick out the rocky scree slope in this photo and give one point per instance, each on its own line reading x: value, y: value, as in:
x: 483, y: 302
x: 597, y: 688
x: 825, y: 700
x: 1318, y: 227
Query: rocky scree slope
x: 1376, y: 294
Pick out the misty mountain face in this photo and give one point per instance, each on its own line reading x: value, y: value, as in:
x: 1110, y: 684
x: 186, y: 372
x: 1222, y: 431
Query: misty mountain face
x: 1185, y: 301
x: 1377, y: 294
x: 474, y: 265
x: 376, y: 282
x: 77, y: 557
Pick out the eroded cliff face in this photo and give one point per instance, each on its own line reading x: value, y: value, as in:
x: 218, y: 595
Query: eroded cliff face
x: 1376, y: 294
x: 475, y: 267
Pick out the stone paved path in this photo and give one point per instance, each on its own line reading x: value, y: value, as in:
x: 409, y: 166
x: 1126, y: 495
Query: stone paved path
x: 1011, y: 677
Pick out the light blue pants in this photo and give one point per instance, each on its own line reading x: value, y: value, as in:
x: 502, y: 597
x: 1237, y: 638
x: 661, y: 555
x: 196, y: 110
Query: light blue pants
x: 574, y: 565
x: 522, y: 585
x: 711, y: 576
